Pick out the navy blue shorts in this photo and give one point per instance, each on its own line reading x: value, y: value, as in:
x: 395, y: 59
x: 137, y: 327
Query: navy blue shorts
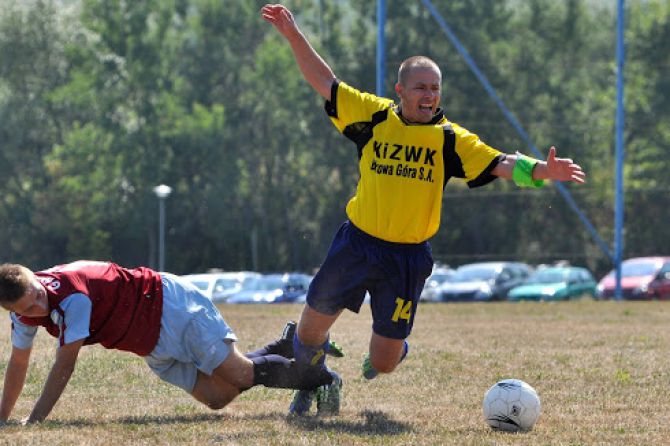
x: 393, y: 273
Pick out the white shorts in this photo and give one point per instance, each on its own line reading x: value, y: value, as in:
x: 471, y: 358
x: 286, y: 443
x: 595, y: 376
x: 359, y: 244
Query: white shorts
x: 193, y: 335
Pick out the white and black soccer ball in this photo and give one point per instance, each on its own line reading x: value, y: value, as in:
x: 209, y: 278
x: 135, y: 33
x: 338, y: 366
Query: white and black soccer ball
x: 511, y: 405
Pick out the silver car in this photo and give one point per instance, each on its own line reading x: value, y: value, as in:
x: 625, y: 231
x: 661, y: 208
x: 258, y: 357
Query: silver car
x: 218, y: 287
x: 439, y: 276
x: 484, y: 281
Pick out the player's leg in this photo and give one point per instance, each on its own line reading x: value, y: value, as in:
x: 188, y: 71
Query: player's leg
x: 284, y: 345
x: 394, y: 298
x: 339, y: 284
x: 310, y: 346
x: 238, y: 373
x: 194, y: 339
x: 311, y: 343
x: 385, y: 355
x: 196, y: 352
x: 220, y: 388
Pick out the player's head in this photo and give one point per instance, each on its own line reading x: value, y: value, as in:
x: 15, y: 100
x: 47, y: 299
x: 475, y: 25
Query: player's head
x: 419, y: 88
x: 21, y: 292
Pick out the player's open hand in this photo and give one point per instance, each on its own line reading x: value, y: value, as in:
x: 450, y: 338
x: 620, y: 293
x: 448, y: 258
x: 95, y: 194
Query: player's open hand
x: 280, y: 17
x: 563, y: 169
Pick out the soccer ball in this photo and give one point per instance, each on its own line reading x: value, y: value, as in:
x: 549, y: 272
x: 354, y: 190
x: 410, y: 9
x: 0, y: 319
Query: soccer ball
x: 511, y: 405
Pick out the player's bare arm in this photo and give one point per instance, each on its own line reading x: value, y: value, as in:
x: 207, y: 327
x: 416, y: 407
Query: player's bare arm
x: 15, y: 378
x: 557, y: 169
x: 59, y: 376
x: 314, y: 69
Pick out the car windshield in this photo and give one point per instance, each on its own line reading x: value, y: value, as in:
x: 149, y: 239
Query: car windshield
x: 296, y: 285
x: 227, y: 284
x: 473, y: 274
x: 548, y: 276
x: 439, y: 277
x: 636, y: 269
x: 263, y: 284
x: 201, y: 284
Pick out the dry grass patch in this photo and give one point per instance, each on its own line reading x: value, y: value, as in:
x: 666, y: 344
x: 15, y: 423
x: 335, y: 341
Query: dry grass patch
x: 600, y: 368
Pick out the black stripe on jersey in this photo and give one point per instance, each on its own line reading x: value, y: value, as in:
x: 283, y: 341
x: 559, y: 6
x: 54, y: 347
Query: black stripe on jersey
x: 452, y: 163
x: 485, y: 177
x: 361, y: 132
x: 331, y: 106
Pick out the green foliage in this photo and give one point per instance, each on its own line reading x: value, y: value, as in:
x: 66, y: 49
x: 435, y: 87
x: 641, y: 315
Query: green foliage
x: 102, y: 100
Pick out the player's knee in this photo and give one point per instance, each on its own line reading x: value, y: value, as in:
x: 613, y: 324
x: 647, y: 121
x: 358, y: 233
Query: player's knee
x: 218, y: 402
x: 383, y: 364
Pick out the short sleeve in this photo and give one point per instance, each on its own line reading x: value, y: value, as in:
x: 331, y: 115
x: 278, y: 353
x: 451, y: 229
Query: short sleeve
x: 348, y: 105
x: 22, y: 334
x: 477, y: 158
x: 77, y: 321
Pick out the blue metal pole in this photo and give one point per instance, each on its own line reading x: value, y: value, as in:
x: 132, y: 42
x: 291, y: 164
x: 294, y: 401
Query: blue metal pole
x: 381, y: 46
x: 619, y: 148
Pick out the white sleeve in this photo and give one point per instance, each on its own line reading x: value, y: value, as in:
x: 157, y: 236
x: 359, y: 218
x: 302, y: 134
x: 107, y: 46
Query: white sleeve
x: 77, y: 309
x: 22, y: 334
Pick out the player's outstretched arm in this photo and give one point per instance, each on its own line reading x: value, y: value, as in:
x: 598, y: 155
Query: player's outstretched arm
x: 59, y: 376
x: 314, y: 69
x: 557, y: 169
x: 15, y: 378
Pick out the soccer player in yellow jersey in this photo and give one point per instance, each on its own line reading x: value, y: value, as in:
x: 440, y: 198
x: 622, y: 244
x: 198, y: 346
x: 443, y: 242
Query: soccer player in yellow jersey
x: 407, y: 152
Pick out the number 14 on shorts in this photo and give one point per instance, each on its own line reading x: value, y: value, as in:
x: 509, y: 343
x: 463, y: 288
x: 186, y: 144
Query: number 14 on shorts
x: 403, y: 310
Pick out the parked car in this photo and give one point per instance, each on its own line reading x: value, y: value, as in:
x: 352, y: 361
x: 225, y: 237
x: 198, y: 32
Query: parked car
x: 220, y: 286
x: 659, y: 287
x: 636, y: 275
x: 483, y: 281
x: 273, y: 288
x: 555, y: 283
x: 433, y: 282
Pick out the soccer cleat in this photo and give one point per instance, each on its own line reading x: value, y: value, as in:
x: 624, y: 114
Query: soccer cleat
x: 289, y: 331
x: 335, y: 350
x: 302, y: 401
x: 328, y: 397
x: 369, y: 372
x: 282, y: 346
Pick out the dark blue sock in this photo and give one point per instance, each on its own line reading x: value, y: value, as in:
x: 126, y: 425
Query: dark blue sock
x: 305, y: 354
x: 405, y: 350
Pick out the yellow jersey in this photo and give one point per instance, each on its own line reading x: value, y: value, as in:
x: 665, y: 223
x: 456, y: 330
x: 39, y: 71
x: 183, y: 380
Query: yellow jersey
x: 404, y: 167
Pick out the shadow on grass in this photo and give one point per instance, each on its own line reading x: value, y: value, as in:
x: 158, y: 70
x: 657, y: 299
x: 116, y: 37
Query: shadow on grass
x: 374, y: 423
x: 137, y: 420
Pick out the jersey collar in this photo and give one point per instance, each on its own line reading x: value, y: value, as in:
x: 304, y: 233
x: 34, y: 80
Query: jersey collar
x: 439, y: 116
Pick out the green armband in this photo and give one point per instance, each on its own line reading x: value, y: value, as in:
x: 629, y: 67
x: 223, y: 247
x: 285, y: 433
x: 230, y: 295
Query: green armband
x: 522, y: 174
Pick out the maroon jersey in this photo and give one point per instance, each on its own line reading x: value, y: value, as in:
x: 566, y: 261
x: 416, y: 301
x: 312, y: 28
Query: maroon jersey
x: 127, y: 304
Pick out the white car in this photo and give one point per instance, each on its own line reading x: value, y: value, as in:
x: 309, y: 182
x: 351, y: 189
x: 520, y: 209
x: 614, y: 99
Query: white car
x: 439, y: 276
x: 483, y: 281
x: 218, y: 287
x: 273, y: 288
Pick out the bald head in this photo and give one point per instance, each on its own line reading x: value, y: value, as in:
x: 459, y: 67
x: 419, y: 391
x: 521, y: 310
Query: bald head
x: 413, y: 63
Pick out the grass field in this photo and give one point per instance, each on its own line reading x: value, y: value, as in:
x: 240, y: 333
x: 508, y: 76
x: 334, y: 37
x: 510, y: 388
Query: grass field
x: 600, y: 368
